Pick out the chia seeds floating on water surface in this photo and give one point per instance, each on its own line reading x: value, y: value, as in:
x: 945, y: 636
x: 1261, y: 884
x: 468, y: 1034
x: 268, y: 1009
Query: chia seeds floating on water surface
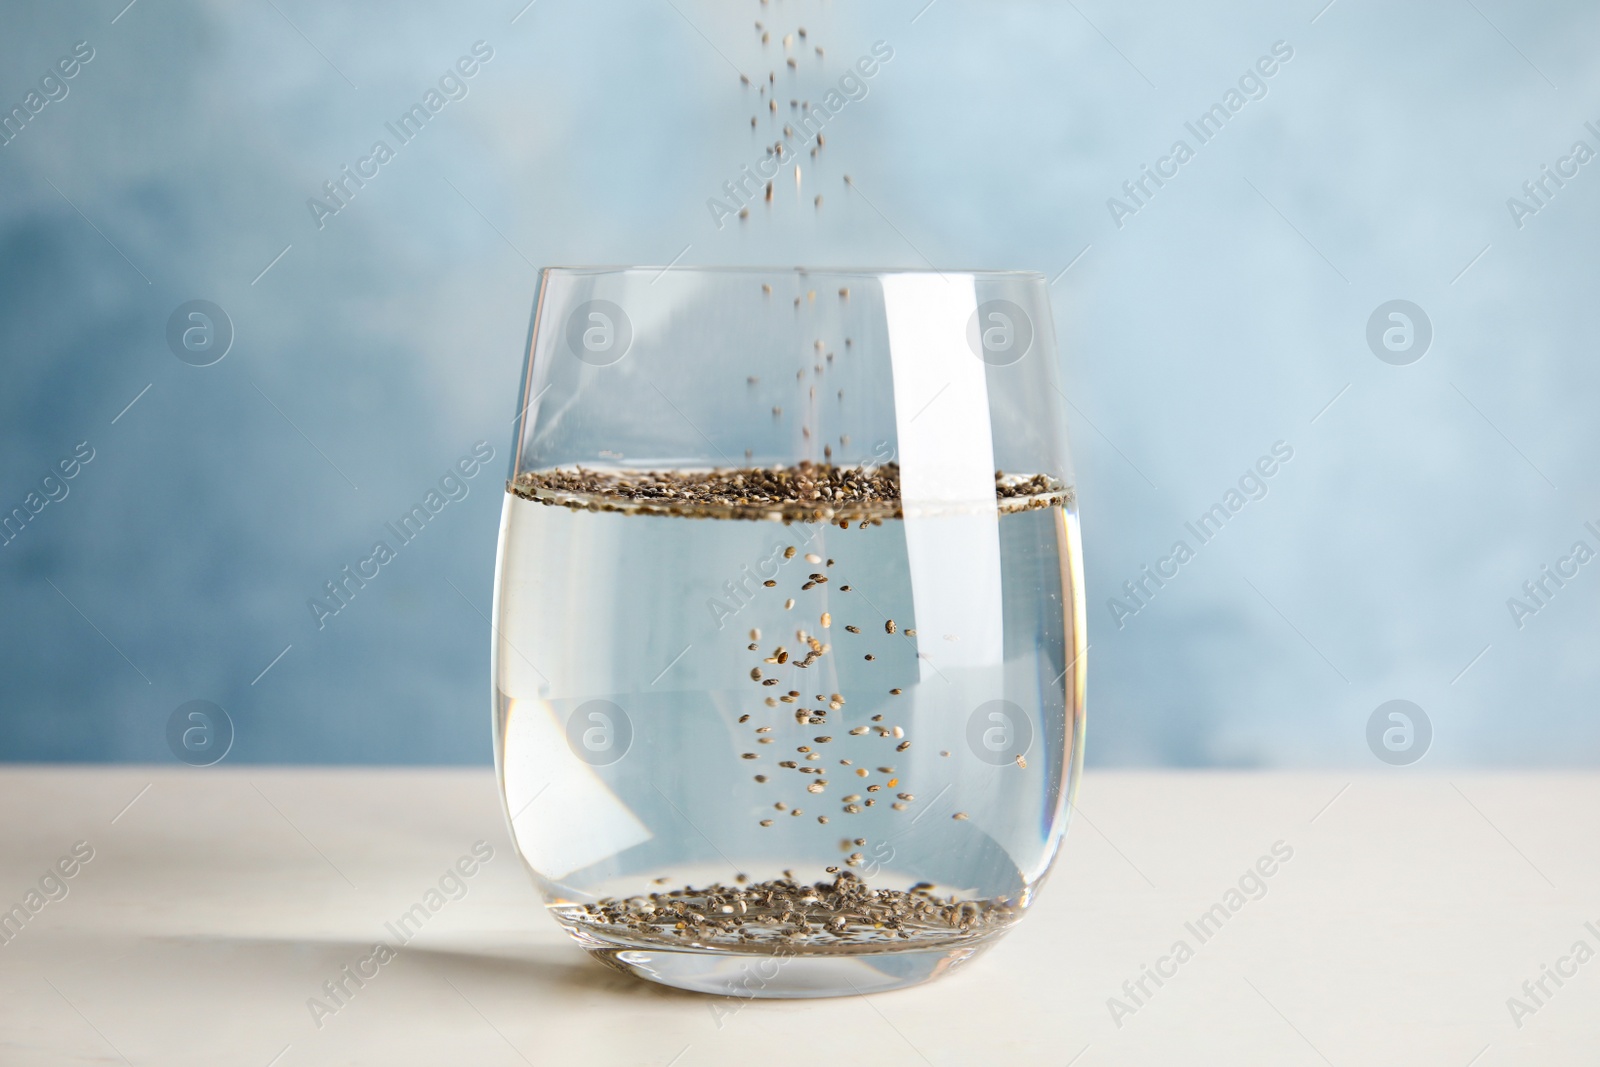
x: 804, y: 492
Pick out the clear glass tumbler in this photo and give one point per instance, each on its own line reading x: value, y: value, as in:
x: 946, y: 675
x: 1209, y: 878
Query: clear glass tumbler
x: 789, y: 629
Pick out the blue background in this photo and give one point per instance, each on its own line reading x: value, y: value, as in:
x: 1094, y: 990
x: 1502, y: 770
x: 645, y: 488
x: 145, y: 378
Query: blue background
x: 1224, y: 316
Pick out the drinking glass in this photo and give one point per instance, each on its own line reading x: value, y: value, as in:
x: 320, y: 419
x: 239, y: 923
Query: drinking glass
x: 788, y: 652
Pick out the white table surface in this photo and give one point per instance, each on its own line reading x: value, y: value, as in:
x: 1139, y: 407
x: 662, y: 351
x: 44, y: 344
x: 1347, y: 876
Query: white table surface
x: 218, y: 903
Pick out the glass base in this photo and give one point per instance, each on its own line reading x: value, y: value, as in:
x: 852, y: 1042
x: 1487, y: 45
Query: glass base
x: 791, y: 976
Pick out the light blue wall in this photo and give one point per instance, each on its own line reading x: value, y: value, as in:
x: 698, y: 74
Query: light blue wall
x: 1222, y: 317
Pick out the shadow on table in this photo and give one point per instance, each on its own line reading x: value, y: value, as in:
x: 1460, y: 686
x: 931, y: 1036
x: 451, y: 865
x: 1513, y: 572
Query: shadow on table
x: 542, y: 970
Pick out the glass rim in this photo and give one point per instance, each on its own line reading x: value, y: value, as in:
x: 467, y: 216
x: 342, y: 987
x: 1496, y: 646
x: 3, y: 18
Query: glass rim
x: 861, y: 272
